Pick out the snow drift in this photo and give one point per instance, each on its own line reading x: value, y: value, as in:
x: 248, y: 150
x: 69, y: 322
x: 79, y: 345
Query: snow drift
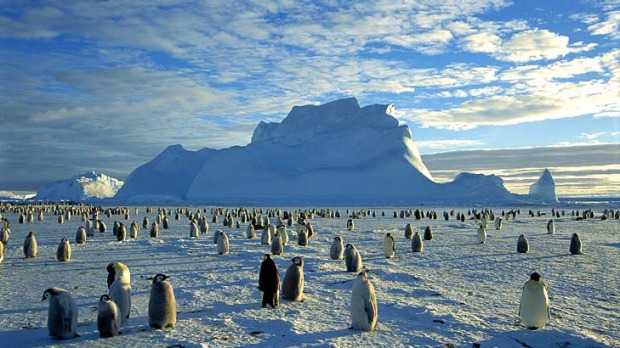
x: 81, y: 187
x: 336, y: 153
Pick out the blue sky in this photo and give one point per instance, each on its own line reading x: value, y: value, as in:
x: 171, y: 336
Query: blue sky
x: 107, y: 85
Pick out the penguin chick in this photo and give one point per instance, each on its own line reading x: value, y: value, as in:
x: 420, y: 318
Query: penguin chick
x: 293, y: 283
x: 108, y: 317
x: 162, y: 304
x: 62, y: 314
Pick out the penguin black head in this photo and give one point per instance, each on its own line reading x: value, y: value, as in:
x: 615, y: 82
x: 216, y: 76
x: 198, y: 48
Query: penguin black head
x: 575, y: 235
x: 337, y: 238
x: 104, y: 298
x: 159, y: 277
x: 388, y: 234
x: 521, y: 236
x: 348, y: 246
x: 49, y: 292
x: 297, y: 260
x: 267, y: 256
x: 535, y: 276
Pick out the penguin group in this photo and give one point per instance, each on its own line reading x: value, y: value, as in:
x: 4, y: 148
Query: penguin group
x: 114, y: 307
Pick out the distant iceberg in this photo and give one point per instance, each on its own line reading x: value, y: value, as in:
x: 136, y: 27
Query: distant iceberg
x: 337, y: 153
x: 543, y: 190
x: 81, y: 187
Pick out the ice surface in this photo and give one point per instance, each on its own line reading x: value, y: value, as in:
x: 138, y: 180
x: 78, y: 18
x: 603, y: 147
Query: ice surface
x: 455, y: 292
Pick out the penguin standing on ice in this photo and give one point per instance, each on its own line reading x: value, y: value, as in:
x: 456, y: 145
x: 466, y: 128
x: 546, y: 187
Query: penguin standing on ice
x: 352, y: 258
x: 223, y: 245
x: 265, y: 238
x: 499, y: 223
x: 534, y: 306
x: 428, y: 233
x: 336, y: 251
x: 30, y: 246
x: 120, y: 288
x: 162, y: 303
x: 575, y: 245
x: 350, y: 225
x: 523, y: 246
x: 293, y: 283
x: 364, y: 311
x: 80, y: 235
x: 417, y: 245
x: 62, y: 315
x: 108, y: 317
x: 550, y: 227
x: 482, y: 235
x: 63, y: 252
x: 1, y: 252
x: 269, y: 282
x: 250, y: 232
x: 389, y: 246
x: 277, y: 248
x: 409, y: 231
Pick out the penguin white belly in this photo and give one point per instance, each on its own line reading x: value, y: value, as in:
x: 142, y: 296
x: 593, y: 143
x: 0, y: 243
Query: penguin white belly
x: 120, y: 293
x: 388, y: 248
x: 534, y: 306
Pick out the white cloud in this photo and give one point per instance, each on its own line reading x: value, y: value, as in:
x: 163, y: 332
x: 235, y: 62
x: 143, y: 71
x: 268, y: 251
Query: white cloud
x: 610, y: 26
x: 534, y: 45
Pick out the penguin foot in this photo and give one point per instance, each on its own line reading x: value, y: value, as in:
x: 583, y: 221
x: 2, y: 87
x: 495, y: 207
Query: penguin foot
x: 532, y: 328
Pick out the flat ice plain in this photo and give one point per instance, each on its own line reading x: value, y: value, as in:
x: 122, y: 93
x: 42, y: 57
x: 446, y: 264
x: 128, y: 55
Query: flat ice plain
x: 456, y: 293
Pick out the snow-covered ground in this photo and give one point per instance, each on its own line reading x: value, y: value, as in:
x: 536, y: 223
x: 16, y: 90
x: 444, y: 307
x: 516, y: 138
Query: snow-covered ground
x: 456, y: 292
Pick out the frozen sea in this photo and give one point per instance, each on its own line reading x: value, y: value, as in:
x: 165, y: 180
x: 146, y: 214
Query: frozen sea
x: 456, y: 293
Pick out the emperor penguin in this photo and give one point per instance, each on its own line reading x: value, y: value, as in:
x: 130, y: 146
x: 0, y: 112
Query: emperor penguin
x: 523, y: 246
x: 90, y: 230
x: 302, y: 238
x: 409, y: 231
x: 352, y: 258
x: 204, y: 225
x: 30, y: 246
x: 108, y: 317
x: 550, y: 227
x: 499, y: 223
x: 336, y: 252
x: 121, y: 234
x: 62, y: 315
x: 222, y: 243
x: 145, y: 222
x: 269, y: 282
x: 309, y: 230
x: 364, y: 311
x: 61, y: 219
x: 534, y: 306
x: 134, y: 229
x: 293, y: 283
x: 575, y: 245
x: 250, y: 232
x: 482, y: 235
x: 265, y: 237
x: 417, y: 245
x: 1, y: 252
x: 350, y: 225
x: 162, y: 304
x: 276, y: 245
x: 193, y: 230
x: 154, y: 229
x: 80, y: 235
x: 283, y: 234
x: 63, y: 252
x: 389, y: 246
x: 216, y: 236
x: 428, y: 234
x: 120, y: 289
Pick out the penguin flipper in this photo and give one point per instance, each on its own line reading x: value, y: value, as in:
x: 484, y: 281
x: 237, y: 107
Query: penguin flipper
x: 370, y: 310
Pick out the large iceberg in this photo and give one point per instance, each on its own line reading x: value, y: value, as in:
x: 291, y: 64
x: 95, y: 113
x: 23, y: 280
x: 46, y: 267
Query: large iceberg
x: 336, y: 153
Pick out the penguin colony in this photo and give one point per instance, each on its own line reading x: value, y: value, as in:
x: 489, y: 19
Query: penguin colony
x: 114, y: 308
